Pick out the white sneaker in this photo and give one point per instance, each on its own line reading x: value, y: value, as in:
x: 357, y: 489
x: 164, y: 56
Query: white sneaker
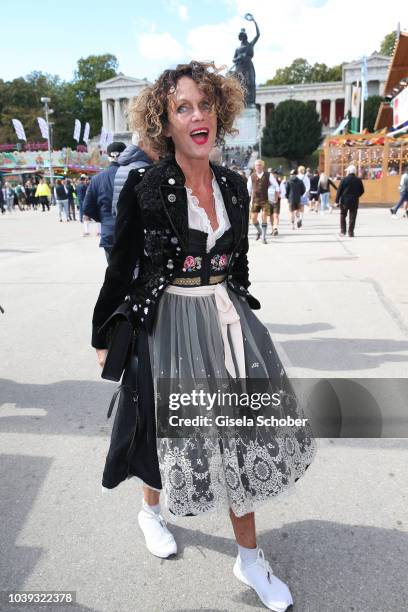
x: 159, y: 541
x: 273, y: 593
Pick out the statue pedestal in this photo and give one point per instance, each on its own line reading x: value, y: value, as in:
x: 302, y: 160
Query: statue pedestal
x: 247, y: 124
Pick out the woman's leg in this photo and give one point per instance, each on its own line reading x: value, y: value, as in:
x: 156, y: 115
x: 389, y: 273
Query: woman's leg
x: 66, y: 209
x: 244, y: 529
x: 150, y: 497
x: 253, y: 569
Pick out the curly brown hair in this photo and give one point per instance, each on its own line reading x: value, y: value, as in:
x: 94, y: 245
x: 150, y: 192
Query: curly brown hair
x: 147, y: 112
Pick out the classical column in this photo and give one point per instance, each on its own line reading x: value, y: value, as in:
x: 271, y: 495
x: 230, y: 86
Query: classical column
x: 347, y: 100
x: 118, y: 113
x: 104, y: 114
x: 319, y: 108
x: 111, y: 122
x: 332, y: 119
x: 263, y: 116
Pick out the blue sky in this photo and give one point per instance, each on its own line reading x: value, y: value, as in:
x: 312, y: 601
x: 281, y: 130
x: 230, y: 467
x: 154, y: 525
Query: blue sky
x: 148, y: 36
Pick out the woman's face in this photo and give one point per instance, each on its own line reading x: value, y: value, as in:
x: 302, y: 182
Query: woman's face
x: 192, y: 124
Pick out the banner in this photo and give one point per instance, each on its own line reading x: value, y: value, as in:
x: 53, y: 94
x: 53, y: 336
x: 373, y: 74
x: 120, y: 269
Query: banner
x: 43, y: 127
x: 77, y: 130
x: 85, y: 137
x: 400, y: 108
x: 342, y: 126
x: 355, y: 101
x: 18, y: 126
x: 102, y: 139
x: 355, y: 108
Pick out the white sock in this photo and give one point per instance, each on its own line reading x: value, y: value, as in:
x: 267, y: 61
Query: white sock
x: 155, y: 509
x: 247, y: 555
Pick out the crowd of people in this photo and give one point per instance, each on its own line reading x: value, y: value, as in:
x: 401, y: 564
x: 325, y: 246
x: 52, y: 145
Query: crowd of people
x: 302, y: 188
x: 236, y: 156
x: 36, y: 193
x: 30, y: 195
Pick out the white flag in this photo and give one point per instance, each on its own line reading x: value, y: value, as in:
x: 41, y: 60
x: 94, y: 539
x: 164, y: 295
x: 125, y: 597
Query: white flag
x: 85, y: 137
x: 77, y: 130
x: 102, y: 139
x: 43, y: 127
x: 18, y: 126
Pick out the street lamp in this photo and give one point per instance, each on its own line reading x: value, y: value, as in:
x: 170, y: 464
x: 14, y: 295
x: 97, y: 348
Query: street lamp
x: 48, y: 111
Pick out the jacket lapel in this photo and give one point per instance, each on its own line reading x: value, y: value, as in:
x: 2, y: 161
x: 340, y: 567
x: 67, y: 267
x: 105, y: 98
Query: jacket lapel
x: 174, y: 199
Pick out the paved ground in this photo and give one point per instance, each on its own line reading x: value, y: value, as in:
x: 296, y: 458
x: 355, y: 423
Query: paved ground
x: 336, y: 307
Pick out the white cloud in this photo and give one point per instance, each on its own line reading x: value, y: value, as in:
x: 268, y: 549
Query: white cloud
x: 214, y: 42
x: 178, y: 7
x: 159, y: 46
x: 183, y: 12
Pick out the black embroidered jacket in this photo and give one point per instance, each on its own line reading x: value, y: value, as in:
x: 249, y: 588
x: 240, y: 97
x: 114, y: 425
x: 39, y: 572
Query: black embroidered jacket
x: 152, y: 231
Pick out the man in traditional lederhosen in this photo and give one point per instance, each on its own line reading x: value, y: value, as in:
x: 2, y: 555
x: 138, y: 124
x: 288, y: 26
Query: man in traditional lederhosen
x: 258, y: 185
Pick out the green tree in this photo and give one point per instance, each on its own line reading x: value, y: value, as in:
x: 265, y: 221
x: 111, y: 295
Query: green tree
x: 293, y: 130
x: 300, y: 71
x: 388, y: 42
x: 371, y: 106
x: 21, y: 99
x: 90, y: 71
x: 335, y: 73
x: 297, y: 72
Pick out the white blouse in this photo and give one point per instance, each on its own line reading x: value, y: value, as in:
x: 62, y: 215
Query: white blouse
x: 198, y: 220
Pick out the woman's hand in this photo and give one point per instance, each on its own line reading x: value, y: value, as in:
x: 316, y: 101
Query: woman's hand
x: 101, y: 355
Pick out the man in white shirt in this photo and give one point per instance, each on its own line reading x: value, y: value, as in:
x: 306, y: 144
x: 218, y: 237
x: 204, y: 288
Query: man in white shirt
x: 259, y: 182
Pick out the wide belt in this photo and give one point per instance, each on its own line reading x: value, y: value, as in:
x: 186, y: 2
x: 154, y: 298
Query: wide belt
x: 194, y: 281
x: 229, y: 322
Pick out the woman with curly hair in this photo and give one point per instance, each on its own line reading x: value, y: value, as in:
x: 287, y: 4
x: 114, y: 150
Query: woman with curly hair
x: 179, y: 274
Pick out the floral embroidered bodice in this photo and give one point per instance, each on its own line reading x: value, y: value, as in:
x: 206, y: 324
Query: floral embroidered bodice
x: 209, y: 250
x: 204, y: 265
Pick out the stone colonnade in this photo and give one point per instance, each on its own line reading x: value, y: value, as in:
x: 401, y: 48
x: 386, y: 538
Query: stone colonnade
x: 330, y: 110
x: 331, y: 100
x: 114, y: 114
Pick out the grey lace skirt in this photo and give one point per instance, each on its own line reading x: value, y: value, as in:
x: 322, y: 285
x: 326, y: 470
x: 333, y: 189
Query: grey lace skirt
x: 223, y: 469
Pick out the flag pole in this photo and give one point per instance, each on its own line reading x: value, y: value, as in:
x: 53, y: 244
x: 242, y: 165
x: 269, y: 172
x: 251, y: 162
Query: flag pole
x: 363, y: 90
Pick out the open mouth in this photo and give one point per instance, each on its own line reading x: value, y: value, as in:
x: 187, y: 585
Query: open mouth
x: 200, y: 135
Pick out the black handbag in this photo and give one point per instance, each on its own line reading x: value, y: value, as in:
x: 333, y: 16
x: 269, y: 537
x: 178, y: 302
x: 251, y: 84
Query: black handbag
x: 120, y: 343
